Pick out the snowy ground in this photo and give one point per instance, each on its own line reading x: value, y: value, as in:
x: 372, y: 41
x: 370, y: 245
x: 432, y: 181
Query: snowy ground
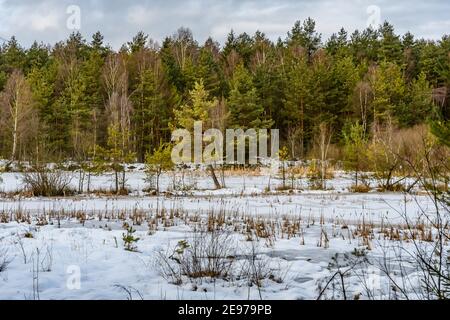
x: 72, y: 248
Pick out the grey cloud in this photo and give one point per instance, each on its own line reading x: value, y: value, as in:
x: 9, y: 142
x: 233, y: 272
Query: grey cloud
x: 45, y: 20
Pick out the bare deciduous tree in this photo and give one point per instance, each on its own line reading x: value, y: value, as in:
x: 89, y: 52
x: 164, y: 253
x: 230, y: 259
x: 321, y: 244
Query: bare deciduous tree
x: 18, y: 113
x: 324, y: 141
x: 362, y: 97
x: 118, y: 105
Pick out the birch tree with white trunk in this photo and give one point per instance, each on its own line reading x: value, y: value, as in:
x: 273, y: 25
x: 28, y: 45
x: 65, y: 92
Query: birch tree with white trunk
x: 18, y: 113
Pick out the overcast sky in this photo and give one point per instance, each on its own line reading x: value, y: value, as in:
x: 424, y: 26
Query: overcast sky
x: 119, y: 20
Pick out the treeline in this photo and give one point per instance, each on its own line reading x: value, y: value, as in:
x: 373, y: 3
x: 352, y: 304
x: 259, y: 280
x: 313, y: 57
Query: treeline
x: 59, y: 102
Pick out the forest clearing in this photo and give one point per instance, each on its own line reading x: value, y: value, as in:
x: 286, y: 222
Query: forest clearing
x: 263, y: 243
x: 221, y: 162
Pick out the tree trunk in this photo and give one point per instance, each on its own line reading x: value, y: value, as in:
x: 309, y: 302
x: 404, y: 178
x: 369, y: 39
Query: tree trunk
x: 158, y: 175
x: 117, y: 181
x: 323, y: 173
x: 89, y: 182
x: 16, y: 124
x: 123, y: 179
x: 80, y: 182
x: 14, y: 147
x: 214, y: 177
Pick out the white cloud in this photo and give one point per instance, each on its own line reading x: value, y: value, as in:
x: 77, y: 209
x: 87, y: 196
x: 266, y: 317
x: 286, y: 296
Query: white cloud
x: 42, y: 22
x: 118, y: 20
x: 434, y: 29
x: 140, y: 15
x: 220, y: 30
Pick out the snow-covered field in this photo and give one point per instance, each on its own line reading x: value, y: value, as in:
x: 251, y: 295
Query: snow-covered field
x: 273, y: 245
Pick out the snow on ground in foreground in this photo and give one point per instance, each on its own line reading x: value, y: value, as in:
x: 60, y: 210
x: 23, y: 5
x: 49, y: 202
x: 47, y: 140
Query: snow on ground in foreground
x: 104, y: 264
x: 97, y: 248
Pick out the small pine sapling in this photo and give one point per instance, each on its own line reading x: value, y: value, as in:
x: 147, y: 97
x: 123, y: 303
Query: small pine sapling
x: 129, y: 240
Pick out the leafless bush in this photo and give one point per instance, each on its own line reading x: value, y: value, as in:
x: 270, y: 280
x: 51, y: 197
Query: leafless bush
x: 47, y: 260
x: 256, y: 268
x: 360, y: 188
x: 214, y: 255
x: 342, y: 266
x: 385, y: 153
x: 204, y: 255
x: 130, y: 291
x: 48, y: 183
x: 22, y: 249
x: 434, y: 260
x: 5, y: 260
x: 429, y: 256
